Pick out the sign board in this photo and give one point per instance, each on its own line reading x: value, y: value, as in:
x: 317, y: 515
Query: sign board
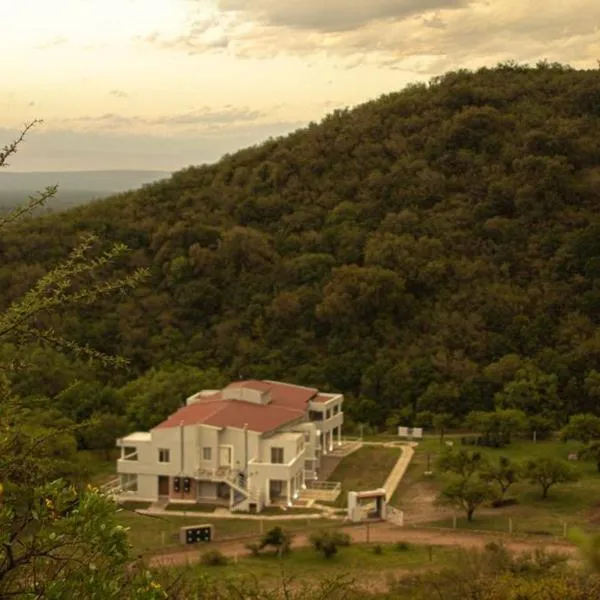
x: 195, y: 534
x: 410, y: 432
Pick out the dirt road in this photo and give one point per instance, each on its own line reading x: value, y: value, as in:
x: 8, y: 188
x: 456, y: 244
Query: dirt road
x: 380, y: 533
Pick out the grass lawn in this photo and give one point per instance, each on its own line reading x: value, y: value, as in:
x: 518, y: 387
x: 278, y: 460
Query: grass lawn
x: 149, y: 533
x: 358, y: 560
x: 576, y: 504
x: 365, y: 469
x: 196, y: 508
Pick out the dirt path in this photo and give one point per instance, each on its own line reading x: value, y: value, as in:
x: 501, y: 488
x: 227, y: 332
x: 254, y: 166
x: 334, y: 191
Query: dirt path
x: 379, y: 533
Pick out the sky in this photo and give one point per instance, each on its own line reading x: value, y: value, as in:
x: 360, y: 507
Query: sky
x: 163, y: 84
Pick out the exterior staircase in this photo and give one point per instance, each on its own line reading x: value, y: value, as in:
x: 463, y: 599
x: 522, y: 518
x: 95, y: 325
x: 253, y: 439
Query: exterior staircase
x: 243, y: 496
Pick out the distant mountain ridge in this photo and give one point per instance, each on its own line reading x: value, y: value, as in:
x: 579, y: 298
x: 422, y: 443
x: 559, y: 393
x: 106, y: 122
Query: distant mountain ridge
x: 105, y: 181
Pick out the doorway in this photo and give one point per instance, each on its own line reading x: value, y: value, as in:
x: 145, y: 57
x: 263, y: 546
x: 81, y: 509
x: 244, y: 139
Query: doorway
x: 225, y: 456
x: 163, y: 486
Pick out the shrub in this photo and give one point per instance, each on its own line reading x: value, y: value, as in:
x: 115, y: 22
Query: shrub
x: 401, y: 546
x: 377, y: 549
x: 328, y: 542
x: 214, y: 558
x: 278, y: 539
x: 254, y: 549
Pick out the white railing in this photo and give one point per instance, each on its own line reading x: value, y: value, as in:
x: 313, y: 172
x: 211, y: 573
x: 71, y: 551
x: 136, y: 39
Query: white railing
x: 218, y: 474
x: 327, y: 486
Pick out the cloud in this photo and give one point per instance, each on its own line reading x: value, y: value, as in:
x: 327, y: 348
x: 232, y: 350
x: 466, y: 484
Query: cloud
x: 332, y: 16
x: 118, y: 94
x: 53, y: 42
x: 205, y: 119
x: 425, y: 36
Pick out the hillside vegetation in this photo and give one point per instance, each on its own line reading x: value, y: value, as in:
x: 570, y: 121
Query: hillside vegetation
x: 437, y: 249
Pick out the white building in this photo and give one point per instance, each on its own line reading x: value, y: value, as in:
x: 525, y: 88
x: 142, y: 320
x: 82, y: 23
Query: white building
x: 249, y: 445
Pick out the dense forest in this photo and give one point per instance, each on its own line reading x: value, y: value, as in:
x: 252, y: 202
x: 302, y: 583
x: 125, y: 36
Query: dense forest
x: 436, y: 250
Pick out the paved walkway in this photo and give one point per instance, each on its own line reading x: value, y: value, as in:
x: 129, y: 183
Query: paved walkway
x: 198, y: 515
x: 379, y: 533
x: 397, y: 473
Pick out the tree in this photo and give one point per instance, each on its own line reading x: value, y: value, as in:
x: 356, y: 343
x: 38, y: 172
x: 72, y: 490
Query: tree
x: 462, y: 462
x: 278, y: 539
x: 592, y: 452
x: 467, y: 493
x: 101, y: 431
x: 498, y: 426
x: 57, y: 540
x: 532, y: 391
x: 328, y: 542
x: 548, y: 471
x: 583, y: 428
x: 442, y: 422
x: 504, y: 474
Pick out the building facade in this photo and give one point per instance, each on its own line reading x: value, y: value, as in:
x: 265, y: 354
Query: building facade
x: 247, y: 446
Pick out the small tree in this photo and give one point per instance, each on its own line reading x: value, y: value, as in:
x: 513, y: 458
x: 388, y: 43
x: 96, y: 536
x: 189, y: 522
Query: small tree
x: 547, y: 471
x: 498, y: 426
x: 592, y: 452
x: 462, y: 462
x: 467, y: 494
x: 441, y: 423
x: 328, y: 542
x: 278, y: 539
x: 583, y: 427
x: 503, y: 474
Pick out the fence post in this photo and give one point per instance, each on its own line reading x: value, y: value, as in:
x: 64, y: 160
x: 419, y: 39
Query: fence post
x: 510, y: 525
x: 162, y: 539
x: 564, y: 529
x: 453, y: 521
x: 261, y: 524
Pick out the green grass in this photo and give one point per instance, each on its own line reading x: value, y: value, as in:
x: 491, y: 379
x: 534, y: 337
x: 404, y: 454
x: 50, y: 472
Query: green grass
x: 135, y: 505
x: 196, y: 508
x: 365, y: 469
x: 576, y: 504
x: 298, y: 510
x: 357, y: 560
x: 150, y: 533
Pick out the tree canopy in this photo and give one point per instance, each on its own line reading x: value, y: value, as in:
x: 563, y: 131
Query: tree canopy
x: 436, y: 250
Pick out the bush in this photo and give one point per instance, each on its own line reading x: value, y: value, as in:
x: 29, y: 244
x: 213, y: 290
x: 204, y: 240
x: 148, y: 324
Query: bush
x: 254, y: 549
x: 328, y: 542
x: 401, y: 546
x: 214, y: 558
x: 377, y: 549
x: 277, y: 538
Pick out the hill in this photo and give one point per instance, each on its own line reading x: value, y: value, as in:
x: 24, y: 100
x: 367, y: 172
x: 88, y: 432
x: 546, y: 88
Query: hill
x: 437, y: 249
x: 76, y: 187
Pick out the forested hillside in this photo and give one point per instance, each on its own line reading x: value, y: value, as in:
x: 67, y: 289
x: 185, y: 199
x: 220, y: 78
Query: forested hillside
x: 437, y: 249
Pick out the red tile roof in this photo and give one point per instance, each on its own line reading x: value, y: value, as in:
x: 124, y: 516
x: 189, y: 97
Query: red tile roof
x: 321, y: 398
x: 288, y: 403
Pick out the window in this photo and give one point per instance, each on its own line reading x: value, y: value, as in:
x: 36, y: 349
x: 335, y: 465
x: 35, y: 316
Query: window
x: 207, y: 453
x: 164, y: 455
x: 130, y: 453
x: 277, y: 456
x: 336, y: 409
x: 328, y: 414
x: 129, y: 482
x: 315, y: 415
